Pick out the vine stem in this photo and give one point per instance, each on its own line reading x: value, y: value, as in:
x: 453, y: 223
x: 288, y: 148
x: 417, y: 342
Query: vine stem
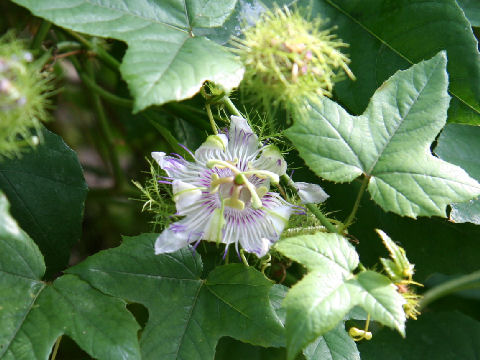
x: 210, y: 117
x: 41, y: 34
x: 465, y: 282
x: 111, y: 149
x: 231, y: 106
x: 351, y: 217
x: 55, y: 348
x: 101, y: 53
x: 313, y: 208
x: 114, y: 99
x: 322, y: 218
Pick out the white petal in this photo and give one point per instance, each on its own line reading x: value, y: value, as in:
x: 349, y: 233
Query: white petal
x: 169, y: 241
x: 264, y: 248
x: 212, y: 148
x: 214, y: 228
x: 172, y: 166
x: 279, y: 217
x: 184, y: 195
x: 257, y: 235
x: 272, y: 160
x: 310, y: 193
x: 243, y: 142
x: 159, y: 157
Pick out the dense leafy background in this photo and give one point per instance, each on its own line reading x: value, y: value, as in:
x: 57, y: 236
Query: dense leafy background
x: 389, y: 35
x: 161, y: 52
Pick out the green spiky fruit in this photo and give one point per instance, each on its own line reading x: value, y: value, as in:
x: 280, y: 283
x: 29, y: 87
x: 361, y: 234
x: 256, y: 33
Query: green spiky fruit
x: 24, y: 90
x: 288, y: 57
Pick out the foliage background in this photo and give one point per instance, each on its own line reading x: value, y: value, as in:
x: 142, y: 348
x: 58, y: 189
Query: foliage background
x: 384, y: 38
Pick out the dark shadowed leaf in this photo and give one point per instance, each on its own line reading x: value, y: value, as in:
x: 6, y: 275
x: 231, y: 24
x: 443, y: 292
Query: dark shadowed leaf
x: 187, y: 314
x: 33, y: 314
x: 386, y: 36
x: 47, y: 191
x: 460, y: 145
x: 445, y: 336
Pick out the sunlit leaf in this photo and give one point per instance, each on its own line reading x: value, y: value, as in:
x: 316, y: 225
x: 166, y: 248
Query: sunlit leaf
x: 471, y: 8
x: 334, y: 345
x: 389, y: 143
x: 324, y: 297
x: 165, y: 60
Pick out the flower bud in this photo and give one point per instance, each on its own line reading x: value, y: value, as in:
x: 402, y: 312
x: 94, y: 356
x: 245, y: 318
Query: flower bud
x: 288, y: 57
x: 24, y: 89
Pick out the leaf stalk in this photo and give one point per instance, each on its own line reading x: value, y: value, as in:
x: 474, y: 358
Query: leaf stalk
x: 356, y: 205
x: 465, y: 282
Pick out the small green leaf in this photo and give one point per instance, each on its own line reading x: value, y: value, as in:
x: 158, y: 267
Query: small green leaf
x: 47, y: 191
x: 324, y: 297
x: 34, y: 314
x: 376, y: 294
x: 334, y: 345
x: 400, y: 268
x: 313, y: 251
x: 167, y: 58
x: 315, y: 305
x: 460, y: 145
x: 389, y: 143
x: 445, y: 336
x: 188, y: 315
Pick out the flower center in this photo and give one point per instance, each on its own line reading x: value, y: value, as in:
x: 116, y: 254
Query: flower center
x: 238, y: 182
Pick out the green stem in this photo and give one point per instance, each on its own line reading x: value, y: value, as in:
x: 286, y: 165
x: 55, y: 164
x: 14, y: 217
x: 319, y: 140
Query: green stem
x: 41, y: 34
x: 101, y: 53
x: 230, y: 106
x: 210, y: 117
x: 313, y: 208
x: 167, y: 135
x: 351, y: 217
x: 465, y: 282
x: 64, y: 46
x: 244, y: 259
x: 322, y: 218
x: 55, y: 348
x: 114, y: 99
x: 184, y: 112
x: 118, y: 174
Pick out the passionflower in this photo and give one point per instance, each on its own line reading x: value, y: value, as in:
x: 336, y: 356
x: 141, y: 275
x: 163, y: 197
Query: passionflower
x: 224, y: 195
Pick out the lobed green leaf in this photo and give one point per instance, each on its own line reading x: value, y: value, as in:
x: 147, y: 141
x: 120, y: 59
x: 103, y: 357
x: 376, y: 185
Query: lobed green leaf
x: 313, y: 251
x: 167, y: 58
x: 324, y: 297
x: 187, y: 314
x: 334, y: 345
x: 389, y: 143
x: 47, y: 191
x: 33, y: 314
